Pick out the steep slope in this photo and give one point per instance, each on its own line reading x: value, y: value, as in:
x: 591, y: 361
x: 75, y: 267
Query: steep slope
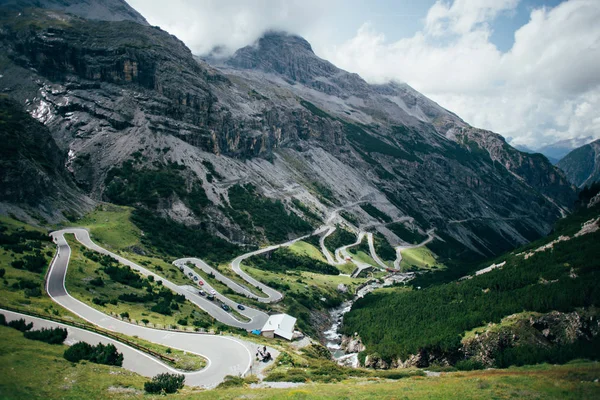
x: 549, y: 286
x: 106, y: 10
x: 308, y: 136
x: 582, y: 165
x: 410, y: 144
x: 32, y: 174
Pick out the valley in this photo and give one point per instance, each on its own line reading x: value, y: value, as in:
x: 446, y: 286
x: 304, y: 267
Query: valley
x: 264, y: 224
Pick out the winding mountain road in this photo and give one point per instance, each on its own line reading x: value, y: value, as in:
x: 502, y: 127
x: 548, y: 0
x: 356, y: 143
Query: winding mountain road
x: 400, y: 249
x: 225, y: 355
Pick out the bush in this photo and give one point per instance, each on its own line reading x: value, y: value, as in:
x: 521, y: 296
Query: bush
x: 469, y: 365
x: 99, y: 301
x: 97, y: 281
x: 231, y: 381
x: 20, y: 325
x: 51, y: 336
x: 2, y: 272
x: 2, y: 320
x: 165, y: 383
x: 35, y: 292
x: 124, y: 315
x: 99, y: 354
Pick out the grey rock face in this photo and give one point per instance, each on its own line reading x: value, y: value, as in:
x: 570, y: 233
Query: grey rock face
x: 582, y: 165
x: 277, y: 116
x: 105, y: 10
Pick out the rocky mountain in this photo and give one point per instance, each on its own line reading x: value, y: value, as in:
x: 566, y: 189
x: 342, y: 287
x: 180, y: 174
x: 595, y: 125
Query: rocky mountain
x: 582, y: 165
x: 212, y: 144
x: 32, y: 173
x: 105, y: 10
x: 557, y: 150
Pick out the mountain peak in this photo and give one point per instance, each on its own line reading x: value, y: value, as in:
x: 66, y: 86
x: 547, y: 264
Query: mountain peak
x: 284, y: 54
x: 278, y: 39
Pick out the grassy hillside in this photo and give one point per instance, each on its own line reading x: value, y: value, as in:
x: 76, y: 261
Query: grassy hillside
x: 113, y: 288
x: 62, y: 380
x: 399, y: 323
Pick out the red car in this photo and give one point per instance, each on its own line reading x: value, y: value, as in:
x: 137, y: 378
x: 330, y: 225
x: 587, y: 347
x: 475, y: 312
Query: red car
x: 200, y: 283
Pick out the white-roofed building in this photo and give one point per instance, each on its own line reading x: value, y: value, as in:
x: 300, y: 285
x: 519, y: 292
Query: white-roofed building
x: 281, y: 325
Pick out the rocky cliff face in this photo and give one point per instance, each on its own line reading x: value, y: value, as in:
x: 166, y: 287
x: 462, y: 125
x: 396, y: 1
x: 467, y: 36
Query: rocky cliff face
x: 105, y: 10
x: 32, y: 172
x: 274, y: 115
x: 553, y: 329
x: 582, y: 165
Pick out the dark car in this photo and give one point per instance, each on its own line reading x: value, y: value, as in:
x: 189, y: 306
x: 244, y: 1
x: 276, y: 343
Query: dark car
x: 225, y: 307
x: 241, y: 307
x: 210, y: 297
x: 202, y: 293
x: 190, y: 274
x: 195, y: 278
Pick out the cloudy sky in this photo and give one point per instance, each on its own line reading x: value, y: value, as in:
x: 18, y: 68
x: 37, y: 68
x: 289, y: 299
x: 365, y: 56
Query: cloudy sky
x: 528, y: 69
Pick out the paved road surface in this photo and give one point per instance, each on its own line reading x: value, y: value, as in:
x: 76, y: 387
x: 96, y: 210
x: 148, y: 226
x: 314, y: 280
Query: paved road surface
x: 133, y: 360
x: 399, y: 249
x: 225, y: 355
x: 257, y: 318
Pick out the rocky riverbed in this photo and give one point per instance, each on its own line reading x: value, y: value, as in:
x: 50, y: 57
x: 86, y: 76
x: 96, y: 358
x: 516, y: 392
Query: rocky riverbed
x: 344, y: 349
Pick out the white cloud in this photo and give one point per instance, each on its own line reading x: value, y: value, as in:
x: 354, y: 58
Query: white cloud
x: 463, y: 16
x: 232, y: 23
x: 546, y: 88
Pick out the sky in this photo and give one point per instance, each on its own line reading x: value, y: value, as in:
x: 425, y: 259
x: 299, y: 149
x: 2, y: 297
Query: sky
x: 527, y: 69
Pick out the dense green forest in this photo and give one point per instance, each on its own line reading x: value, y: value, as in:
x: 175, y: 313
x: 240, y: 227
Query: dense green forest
x: 283, y: 259
x: 406, y: 234
x: 128, y: 185
x: 404, y: 322
x: 174, y: 239
x: 375, y: 212
x: 339, y: 238
x: 250, y: 210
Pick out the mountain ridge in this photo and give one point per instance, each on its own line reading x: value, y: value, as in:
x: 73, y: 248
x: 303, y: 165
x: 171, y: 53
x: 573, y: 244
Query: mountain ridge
x: 107, y: 93
x: 582, y: 165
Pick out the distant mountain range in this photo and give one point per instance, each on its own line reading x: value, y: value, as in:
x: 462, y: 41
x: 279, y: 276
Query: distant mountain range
x: 556, y: 151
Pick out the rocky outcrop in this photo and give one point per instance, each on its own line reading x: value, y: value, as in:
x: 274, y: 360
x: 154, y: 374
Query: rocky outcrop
x: 352, y: 344
x: 540, y: 330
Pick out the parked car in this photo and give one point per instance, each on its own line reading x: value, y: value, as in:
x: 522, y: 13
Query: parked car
x: 202, y: 293
x: 241, y: 307
x: 225, y: 307
x: 190, y: 274
x: 200, y: 283
x: 213, y: 292
x: 195, y: 278
x: 210, y: 297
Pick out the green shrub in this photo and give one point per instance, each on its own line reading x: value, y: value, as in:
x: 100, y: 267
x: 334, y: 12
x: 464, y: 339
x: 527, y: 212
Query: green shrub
x: 51, y: 336
x: 20, y: 325
x: 469, y: 365
x: 35, y: 292
x: 231, y: 381
x: 165, y: 383
x: 99, y: 354
x: 97, y: 281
